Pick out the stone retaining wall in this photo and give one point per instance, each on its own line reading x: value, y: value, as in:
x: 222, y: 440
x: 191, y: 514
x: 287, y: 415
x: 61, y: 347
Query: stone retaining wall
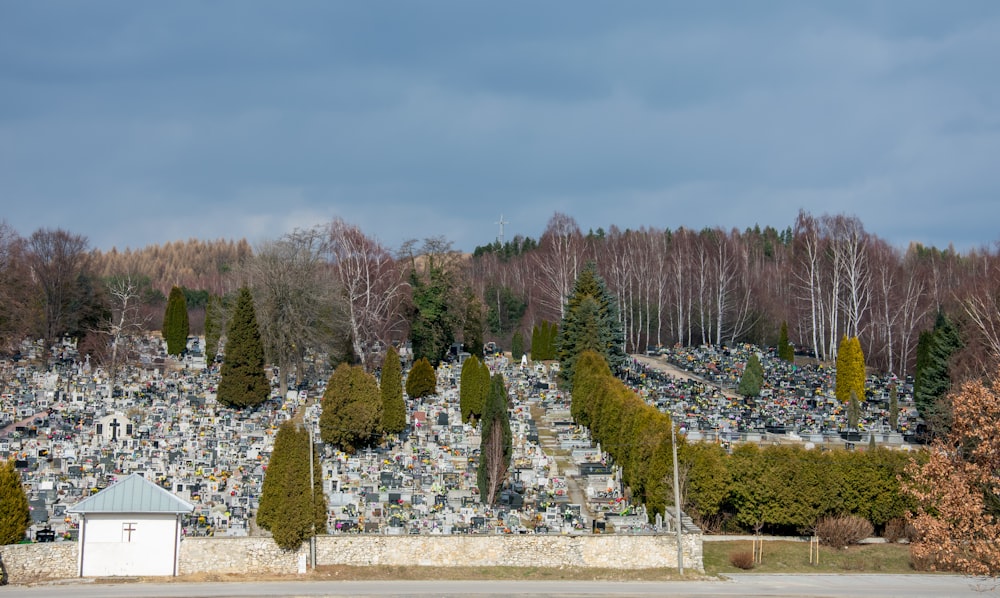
x: 29, y: 562
x: 45, y: 560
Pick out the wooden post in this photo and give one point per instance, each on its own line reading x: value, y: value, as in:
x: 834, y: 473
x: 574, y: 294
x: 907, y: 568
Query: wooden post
x: 814, y: 550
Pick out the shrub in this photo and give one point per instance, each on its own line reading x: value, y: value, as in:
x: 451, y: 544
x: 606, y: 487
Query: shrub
x: 742, y: 559
x: 898, y: 529
x: 839, y: 531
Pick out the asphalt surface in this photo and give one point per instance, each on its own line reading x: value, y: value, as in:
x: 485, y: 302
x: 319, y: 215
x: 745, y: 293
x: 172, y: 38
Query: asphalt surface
x: 811, y: 586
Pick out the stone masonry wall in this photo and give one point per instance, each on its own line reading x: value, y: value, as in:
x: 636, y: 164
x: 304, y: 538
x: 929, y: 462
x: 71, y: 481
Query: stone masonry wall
x: 48, y: 560
x: 57, y: 560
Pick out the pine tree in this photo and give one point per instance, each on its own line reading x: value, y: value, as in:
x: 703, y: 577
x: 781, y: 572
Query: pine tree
x: 932, y: 378
x: 536, y: 345
x: 15, y: 516
x: 785, y: 349
x: 421, y: 381
x: 517, y: 346
x: 752, y: 379
x: 589, y: 322
x: 175, y: 322
x: 432, y: 322
x: 352, y: 409
x: 391, y: 388
x: 850, y: 370
x: 243, y: 382
x: 495, y: 447
x: 286, y: 501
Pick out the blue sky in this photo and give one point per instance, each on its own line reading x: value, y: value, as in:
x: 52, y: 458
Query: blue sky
x: 134, y: 123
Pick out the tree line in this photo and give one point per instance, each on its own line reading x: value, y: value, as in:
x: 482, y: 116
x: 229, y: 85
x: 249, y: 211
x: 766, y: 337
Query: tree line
x: 332, y: 289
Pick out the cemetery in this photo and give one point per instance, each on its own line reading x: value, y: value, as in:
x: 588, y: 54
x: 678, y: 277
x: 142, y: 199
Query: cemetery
x: 72, y: 436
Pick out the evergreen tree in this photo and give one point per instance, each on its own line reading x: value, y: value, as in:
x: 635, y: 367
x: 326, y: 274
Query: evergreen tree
x: 422, y: 380
x: 850, y: 370
x: 932, y: 378
x: 391, y: 388
x: 517, y: 346
x: 286, y: 500
x: 536, y: 345
x: 15, y: 516
x: 431, y: 320
x: 352, y: 409
x: 752, y: 379
x: 213, y: 327
x: 472, y: 324
x: 590, y: 322
x: 853, y: 411
x: 469, y: 391
x: 505, y: 309
x: 243, y: 382
x: 785, y: 349
x: 495, y: 446
x: 175, y: 322
x: 893, y: 408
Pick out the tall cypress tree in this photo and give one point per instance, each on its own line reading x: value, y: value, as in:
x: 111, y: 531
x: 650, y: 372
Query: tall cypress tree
x: 468, y: 389
x: 213, y: 327
x: 287, y: 506
x: 584, y: 319
x: 785, y: 349
x: 243, y: 382
x: 495, y: 445
x: 517, y: 346
x: 175, y: 322
x: 391, y: 388
x: 15, y: 516
x: 850, y: 370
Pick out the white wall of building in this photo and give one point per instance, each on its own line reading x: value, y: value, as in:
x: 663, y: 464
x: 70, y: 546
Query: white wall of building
x: 128, y: 545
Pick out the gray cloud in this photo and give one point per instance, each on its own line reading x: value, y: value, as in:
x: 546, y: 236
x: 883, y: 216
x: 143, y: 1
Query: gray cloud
x: 136, y: 124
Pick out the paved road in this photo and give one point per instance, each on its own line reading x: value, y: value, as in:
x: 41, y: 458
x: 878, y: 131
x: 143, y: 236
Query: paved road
x: 819, y: 586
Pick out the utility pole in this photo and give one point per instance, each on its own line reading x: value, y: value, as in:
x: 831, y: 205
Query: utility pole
x: 312, y: 501
x: 677, y: 501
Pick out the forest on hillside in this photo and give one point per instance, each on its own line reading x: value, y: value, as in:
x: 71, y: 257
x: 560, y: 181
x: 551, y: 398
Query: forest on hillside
x: 337, y: 289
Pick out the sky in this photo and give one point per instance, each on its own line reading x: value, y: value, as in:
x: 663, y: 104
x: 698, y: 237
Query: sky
x: 140, y: 123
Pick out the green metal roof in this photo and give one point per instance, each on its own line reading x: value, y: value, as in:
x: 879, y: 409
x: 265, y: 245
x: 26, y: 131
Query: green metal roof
x: 134, y: 494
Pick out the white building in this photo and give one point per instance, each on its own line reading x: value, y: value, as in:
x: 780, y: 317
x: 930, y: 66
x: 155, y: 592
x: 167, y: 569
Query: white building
x: 130, y: 528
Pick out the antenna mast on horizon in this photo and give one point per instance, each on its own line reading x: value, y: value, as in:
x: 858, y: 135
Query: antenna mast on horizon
x: 501, y: 222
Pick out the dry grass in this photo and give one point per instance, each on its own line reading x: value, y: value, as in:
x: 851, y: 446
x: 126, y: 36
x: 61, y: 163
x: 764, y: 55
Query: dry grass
x: 793, y: 557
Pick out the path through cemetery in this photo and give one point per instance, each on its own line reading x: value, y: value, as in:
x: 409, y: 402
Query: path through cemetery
x: 564, y: 464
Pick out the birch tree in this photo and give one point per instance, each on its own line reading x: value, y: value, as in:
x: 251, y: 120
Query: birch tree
x: 372, y: 284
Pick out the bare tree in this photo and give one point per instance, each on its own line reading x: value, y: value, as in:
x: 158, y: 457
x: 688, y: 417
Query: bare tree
x: 16, y: 318
x: 559, y: 259
x: 127, y: 322
x: 58, y: 260
x: 981, y: 304
x: 295, y: 303
x: 371, y: 281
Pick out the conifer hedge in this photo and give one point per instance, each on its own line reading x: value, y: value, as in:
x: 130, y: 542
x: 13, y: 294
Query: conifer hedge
x: 784, y: 489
